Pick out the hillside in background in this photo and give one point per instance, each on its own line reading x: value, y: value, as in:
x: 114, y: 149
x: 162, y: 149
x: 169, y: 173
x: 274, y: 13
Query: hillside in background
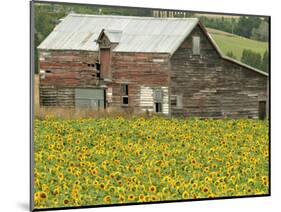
x: 228, y: 42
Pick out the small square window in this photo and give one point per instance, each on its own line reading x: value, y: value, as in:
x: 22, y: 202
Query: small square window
x: 125, y: 100
x: 174, y: 101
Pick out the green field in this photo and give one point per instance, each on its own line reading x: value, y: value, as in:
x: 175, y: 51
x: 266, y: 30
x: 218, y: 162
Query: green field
x: 230, y: 42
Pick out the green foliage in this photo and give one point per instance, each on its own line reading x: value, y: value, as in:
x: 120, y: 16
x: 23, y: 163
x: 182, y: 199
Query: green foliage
x: 261, y: 33
x: 251, y: 58
x: 265, y: 62
x: 224, y: 24
x: 230, y: 42
x: 246, y: 25
x: 250, y: 27
x: 230, y: 54
x: 254, y: 59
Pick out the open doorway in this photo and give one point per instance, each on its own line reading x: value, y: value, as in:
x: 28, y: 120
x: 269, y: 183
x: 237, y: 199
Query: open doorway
x: 262, y: 110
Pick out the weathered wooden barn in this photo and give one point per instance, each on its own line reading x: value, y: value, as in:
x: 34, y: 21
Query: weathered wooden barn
x: 166, y: 65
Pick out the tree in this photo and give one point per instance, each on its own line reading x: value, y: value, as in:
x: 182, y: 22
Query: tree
x: 265, y: 61
x: 261, y: 33
x: 246, y: 25
x: 230, y: 54
x: 251, y: 58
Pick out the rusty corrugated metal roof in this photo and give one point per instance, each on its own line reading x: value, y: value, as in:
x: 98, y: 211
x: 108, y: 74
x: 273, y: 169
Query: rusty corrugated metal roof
x: 137, y: 34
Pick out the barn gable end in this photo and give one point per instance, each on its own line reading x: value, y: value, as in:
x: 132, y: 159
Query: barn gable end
x: 211, y: 85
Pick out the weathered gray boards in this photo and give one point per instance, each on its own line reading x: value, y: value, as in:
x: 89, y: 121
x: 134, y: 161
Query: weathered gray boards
x: 165, y: 65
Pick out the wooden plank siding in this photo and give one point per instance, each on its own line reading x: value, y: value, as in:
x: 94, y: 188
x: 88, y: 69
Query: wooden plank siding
x: 137, y: 70
x: 63, y: 71
x: 212, y: 86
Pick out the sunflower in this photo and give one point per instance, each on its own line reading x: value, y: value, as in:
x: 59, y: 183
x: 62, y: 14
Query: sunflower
x: 95, y: 183
x: 193, y: 162
x: 121, y: 198
x: 102, y: 185
x: 94, y: 172
x: 43, y: 195
x: 194, y: 186
x: 56, y: 191
x: 205, y: 190
x: 154, y: 198
x: 107, y: 199
x: 60, y: 176
x: 131, y: 197
x: 112, y: 189
x: 152, y: 189
x: 141, y: 197
x: 185, y: 195
x: 157, y: 170
x: 206, y: 169
x: 65, y: 201
x: 78, y: 141
x: 112, y: 175
x: 37, y: 196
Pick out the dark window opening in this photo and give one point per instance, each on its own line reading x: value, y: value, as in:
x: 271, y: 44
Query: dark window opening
x: 98, y: 74
x: 98, y: 66
x: 125, y: 93
x: 125, y: 100
x: 158, y: 107
x: 48, y: 71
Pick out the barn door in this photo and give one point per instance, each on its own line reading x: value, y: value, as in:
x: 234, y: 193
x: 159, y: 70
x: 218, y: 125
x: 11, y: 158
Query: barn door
x: 262, y: 110
x: 89, y: 98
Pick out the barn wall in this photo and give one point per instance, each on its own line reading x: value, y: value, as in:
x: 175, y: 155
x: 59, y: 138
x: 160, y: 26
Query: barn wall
x: 61, y: 72
x: 70, y: 70
x: 139, y: 71
x: 211, y: 86
x: 147, y: 101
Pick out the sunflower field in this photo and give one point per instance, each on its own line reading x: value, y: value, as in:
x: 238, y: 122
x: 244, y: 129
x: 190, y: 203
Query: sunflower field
x: 117, y: 160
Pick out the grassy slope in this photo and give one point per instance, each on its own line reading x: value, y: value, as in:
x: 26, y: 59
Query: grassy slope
x: 230, y: 42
